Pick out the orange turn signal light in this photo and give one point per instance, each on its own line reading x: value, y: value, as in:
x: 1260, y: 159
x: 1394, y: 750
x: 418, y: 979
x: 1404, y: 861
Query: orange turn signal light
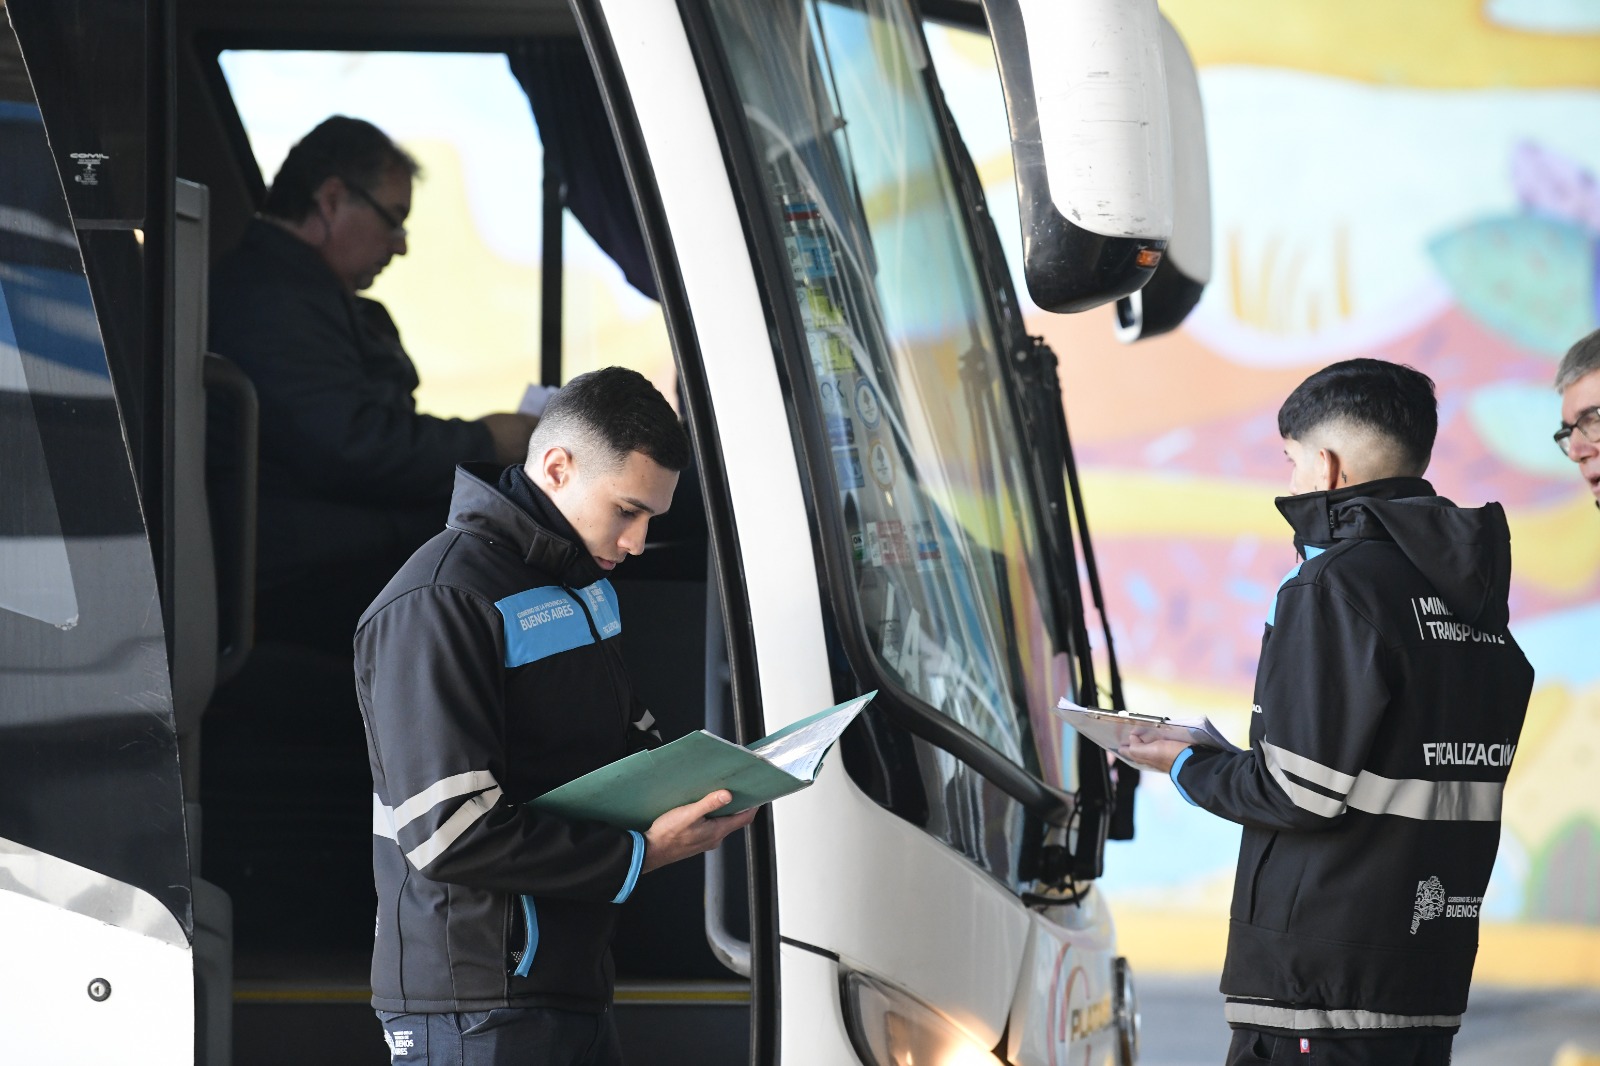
x: 1148, y: 258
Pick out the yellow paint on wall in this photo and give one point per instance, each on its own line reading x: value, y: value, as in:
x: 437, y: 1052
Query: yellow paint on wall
x: 1439, y: 44
x: 1124, y: 503
x: 1559, y: 749
x: 1555, y: 547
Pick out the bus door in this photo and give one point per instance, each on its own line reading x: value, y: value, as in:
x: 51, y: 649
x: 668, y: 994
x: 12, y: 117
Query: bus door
x: 94, y: 872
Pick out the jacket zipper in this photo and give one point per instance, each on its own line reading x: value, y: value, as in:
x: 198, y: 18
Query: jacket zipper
x: 611, y: 675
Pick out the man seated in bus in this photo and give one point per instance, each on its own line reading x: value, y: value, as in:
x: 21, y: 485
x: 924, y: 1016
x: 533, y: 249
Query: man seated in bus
x: 352, y: 477
x: 1388, y: 702
x: 488, y: 673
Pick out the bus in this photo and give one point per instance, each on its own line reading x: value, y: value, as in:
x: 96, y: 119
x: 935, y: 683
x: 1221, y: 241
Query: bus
x: 883, y: 496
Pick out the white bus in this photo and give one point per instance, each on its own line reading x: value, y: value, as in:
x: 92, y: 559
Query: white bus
x: 882, y: 498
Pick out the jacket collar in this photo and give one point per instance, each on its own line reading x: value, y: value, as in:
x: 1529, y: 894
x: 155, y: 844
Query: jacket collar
x: 295, y: 253
x: 1322, y: 518
x: 478, y: 507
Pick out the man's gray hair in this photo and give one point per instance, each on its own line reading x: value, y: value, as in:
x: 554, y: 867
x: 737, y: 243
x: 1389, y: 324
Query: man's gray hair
x: 1581, y: 360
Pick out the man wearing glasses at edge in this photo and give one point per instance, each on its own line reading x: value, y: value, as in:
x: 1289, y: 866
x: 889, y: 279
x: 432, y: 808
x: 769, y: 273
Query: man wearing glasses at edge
x: 1578, y: 382
x: 352, y: 477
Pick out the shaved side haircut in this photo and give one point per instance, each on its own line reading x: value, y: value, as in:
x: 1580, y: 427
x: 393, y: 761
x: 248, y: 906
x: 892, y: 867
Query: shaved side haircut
x: 1384, y: 410
x: 602, y: 416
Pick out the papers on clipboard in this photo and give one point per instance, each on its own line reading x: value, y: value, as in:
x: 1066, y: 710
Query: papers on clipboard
x: 1110, y: 729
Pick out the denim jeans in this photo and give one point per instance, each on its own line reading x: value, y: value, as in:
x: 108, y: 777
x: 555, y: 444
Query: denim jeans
x: 509, y: 1036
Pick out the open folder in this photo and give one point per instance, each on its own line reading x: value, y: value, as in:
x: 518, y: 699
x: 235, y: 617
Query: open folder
x: 1110, y: 728
x: 632, y: 792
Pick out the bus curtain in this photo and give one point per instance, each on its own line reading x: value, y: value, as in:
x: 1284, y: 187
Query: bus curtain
x: 576, y: 134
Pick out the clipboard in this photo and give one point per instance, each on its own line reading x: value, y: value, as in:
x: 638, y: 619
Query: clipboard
x: 1110, y: 729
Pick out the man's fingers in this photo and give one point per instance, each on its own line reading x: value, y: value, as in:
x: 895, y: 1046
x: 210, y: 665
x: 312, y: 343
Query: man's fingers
x: 713, y: 802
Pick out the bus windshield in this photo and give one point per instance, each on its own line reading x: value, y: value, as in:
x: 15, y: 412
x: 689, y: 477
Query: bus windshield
x: 926, y: 457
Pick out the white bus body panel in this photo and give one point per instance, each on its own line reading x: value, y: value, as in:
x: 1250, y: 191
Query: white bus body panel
x: 811, y: 993
x: 892, y: 901
x: 853, y: 878
x: 1064, y: 1011
x: 60, y: 942
x: 780, y: 569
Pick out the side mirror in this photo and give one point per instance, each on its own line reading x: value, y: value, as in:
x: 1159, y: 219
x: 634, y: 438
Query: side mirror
x: 1086, y: 97
x: 1181, y: 276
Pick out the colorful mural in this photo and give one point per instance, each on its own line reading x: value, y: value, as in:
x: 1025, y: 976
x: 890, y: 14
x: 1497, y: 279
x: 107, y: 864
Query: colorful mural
x: 1434, y: 206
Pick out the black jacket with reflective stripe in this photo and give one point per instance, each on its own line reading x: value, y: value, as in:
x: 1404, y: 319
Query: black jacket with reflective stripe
x: 1389, y: 700
x: 488, y: 672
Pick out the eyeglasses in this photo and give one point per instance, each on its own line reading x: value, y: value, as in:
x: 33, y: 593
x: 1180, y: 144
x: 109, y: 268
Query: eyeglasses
x: 397, y: 229
x: 1588, y: 424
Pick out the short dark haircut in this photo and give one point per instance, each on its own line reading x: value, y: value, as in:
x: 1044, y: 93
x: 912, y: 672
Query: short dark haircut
x: 350, y: 149
x: 615, y: 411
x: 1391, y: 400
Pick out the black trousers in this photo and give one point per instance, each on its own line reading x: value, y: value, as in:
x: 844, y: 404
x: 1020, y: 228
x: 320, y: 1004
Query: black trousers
x: 510, y: 1036
x: 1253, y: 1048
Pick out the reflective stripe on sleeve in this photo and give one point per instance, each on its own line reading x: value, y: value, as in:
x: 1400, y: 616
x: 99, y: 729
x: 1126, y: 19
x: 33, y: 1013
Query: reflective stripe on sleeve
x: 382, y: 819
x: 459, y: 822
x: 1429, y: 801
x: 1266, y: 1015
x: 1280, y: 759
x: 1308, y: 769
x: 438, y: 792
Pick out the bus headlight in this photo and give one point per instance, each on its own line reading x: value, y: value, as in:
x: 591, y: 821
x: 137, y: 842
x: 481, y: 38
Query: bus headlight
x: 890, y: 1028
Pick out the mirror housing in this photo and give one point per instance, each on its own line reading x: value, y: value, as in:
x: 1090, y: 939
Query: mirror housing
x: 1086, y: 98
x: 1182, y: 275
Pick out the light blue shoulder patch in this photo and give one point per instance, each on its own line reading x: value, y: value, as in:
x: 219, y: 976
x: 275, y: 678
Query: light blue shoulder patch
x: 546, y: 621
x: 1272, y: 610
x: 602, y: 601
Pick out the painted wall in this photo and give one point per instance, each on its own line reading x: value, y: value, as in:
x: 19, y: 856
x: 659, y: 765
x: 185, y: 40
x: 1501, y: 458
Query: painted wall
x: 1413, y: 182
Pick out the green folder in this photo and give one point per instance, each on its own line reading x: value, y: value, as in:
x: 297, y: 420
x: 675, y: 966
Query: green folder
x: 632, y: 792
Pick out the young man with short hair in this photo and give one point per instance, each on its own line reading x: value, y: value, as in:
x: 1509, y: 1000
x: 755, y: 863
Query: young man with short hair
x: 488, y: 673
x: 1388, y: 699
x: 1578, y: 382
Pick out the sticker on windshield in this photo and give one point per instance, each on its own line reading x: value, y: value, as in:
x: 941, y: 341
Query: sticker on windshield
x: 928, y: 553
x: 888, y: 543
x: 832, y: 399
x: 847, y: 468
x: 867, y: 405
x: 841, y: 431
x: 882, y: 464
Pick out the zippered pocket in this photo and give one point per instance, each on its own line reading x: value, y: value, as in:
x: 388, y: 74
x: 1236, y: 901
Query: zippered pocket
x: 1255, y: 879
x: 524, y: 927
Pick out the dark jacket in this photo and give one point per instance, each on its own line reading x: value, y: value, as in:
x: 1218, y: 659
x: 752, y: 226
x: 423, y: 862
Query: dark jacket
x: 1389, y: 700
x: 488, y: 673
x: 349, y: 470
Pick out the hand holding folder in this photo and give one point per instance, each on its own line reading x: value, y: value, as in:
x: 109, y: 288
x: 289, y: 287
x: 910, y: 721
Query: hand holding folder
x: 1111, y: 729
x: 632, y: 792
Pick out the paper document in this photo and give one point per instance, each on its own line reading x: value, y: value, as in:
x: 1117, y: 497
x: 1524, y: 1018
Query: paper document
x: 534, y: 399
x: 1110, y: 729
x: 632, y: 792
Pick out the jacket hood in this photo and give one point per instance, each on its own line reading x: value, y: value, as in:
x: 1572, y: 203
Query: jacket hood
x: 478, y: 507
x: 1464, y: 553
